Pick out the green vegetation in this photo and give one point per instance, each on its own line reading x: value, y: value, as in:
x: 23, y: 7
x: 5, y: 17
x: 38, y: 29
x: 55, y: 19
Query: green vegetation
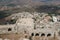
x: 51, y: 10
x: 3, y: 14
x: 12, y: 21
x: 11, y: 5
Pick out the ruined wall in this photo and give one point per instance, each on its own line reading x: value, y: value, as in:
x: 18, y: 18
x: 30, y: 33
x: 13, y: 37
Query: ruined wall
x: 32, y: 24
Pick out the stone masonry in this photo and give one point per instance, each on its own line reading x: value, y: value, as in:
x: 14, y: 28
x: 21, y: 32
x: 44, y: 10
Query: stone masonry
x: 33, y: 25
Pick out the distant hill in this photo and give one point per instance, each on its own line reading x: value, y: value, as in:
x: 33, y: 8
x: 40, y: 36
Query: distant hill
x: 29, y: 2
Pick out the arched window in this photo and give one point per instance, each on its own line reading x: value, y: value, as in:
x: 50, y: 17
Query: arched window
x: 42, y: 34
x: 9, y: 29
x: 48, y: 34
x: 32, y: 34
x: 37, y: 34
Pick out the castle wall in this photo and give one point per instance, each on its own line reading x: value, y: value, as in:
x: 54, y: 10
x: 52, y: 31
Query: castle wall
x: 4, y: 29
x: 31, y: 25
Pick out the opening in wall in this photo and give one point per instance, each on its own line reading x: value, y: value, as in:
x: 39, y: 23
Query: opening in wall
x: 32, y: 34
x: 9, y: 29
x: 48, y: 34
x: 42, y: 34
x: 37, y: 34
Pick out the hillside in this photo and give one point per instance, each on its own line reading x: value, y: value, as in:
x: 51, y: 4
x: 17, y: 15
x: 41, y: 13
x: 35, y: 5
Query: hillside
x: 29, y: 2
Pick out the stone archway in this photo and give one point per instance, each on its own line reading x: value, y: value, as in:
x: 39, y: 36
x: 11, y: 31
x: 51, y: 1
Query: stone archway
x: 42, y: 34
x: 9, y: 29
x: 37, y: 34
x: 48, y: 35
x: 32, y: 34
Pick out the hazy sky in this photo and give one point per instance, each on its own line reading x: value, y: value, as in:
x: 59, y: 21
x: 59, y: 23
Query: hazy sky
x: 29, y: 1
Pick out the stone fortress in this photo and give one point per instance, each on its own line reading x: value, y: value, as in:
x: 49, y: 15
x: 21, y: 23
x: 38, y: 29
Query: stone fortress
x: 33, y: 26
